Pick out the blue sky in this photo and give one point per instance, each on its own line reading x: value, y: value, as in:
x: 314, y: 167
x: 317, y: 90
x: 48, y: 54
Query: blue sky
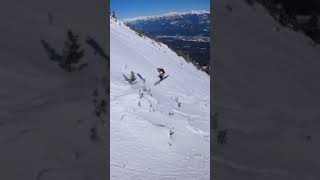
x: 134, y: 8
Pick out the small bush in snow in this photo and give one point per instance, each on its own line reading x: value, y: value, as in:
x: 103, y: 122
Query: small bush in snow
x: 140, y: 95
x: 145, y: 89
x: 131, y: 79
x: 178, y: 103
x: 171, y: 134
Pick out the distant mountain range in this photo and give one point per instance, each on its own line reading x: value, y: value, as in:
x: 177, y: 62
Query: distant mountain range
x: 190, y: 23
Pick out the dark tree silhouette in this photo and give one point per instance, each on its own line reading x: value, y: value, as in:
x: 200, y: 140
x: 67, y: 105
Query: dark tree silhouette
x: 113, y: 15
x: 72, y: 52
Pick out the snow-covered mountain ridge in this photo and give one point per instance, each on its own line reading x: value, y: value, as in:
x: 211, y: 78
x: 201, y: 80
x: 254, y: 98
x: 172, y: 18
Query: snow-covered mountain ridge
x: 157, y: 132
x: 167, y: 15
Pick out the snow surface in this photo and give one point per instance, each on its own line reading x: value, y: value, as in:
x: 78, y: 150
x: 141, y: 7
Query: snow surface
x: 141, y: 147
x: 166, y: 15
x: 266, y: 92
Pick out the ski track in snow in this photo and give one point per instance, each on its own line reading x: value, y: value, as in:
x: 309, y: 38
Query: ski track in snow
x: 141, y: 146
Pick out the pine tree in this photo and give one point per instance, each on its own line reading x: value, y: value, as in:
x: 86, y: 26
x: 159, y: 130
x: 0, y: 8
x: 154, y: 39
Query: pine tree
x: 72, y: 52
x: 140, y: 32
x: 132, y: 77
x: 114, y: 15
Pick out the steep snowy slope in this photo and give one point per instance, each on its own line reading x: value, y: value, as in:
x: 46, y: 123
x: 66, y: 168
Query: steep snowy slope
x: 46, y: 113
x: 266, y: 92
x: 143, y: 115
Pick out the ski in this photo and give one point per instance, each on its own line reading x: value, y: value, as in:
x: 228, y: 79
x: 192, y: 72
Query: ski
x: 144, y: 80
x: 157, y: 82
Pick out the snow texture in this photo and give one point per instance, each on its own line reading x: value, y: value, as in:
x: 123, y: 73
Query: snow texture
x: 157, y: 132
x: 266, y: 93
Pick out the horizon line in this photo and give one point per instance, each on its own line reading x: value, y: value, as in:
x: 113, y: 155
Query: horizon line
x: 195, y: 11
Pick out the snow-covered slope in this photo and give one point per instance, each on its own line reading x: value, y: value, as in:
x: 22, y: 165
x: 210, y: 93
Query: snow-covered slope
x: 266, y: 92
x: 46, y: 113
x: 143, y: 115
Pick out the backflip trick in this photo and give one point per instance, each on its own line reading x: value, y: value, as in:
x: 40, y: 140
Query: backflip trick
x: 161, y: 75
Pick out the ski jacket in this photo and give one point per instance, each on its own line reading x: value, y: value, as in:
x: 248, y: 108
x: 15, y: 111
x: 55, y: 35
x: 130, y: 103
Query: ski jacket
x: 161, y: 71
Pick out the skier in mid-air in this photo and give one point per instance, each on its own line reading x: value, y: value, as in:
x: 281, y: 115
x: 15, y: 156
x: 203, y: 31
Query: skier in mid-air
x: 161, y: 73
